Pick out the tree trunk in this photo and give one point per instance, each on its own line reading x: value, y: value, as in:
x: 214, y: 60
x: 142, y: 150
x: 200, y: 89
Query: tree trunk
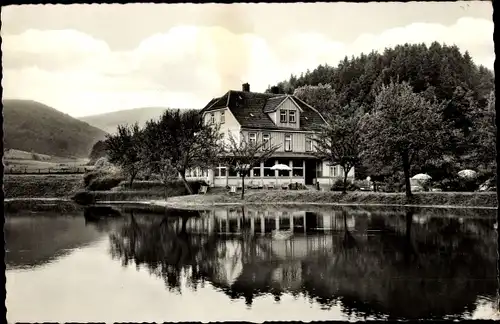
x: 406, y: 169
x: 242, y: 187
x: 132, y: 177
x: 186, y: 184
x: 164, y: 180
x: 344, y: 190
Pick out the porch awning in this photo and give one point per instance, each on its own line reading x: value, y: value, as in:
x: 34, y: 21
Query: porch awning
x: 304, y: 155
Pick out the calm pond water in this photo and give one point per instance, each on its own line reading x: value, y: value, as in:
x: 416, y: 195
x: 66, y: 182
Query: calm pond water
x: 107, y: 264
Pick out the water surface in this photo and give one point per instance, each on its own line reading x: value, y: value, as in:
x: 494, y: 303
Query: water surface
x: 107, y: 264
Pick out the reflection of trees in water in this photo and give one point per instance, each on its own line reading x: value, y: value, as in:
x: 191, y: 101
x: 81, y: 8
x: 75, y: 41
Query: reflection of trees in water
x: 412, y: 270
x: 420, y: 273
x: 165, y: 250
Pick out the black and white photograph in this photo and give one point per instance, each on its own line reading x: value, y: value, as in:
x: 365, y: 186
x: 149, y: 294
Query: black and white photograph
x: 212, y: 162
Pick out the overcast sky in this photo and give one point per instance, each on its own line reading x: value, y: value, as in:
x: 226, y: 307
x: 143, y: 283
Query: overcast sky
x: 90, y: 59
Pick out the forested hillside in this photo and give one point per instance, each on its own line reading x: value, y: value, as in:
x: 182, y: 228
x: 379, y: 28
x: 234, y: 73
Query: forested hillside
x: 34, y: 127
x: 440, y: 73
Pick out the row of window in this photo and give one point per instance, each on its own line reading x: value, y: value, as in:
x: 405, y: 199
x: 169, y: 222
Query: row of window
x: 288, y: 145
x: 196, y: 173
x: 220, y: 171
x: 287, y: 116
x: 335, y: 171
x: 255, y: 173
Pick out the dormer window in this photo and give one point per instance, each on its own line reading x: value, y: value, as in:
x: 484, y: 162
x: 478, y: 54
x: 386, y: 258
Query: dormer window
x: 222, y: 117
x: 291, y: 116
x: 283, y: 116
x: 212, y: 118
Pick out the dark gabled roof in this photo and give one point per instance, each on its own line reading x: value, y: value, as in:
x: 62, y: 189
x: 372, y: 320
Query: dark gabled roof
x: 310, y: 118
x: 273, y: 103
x: 210, y: 103
x: 251, y: 109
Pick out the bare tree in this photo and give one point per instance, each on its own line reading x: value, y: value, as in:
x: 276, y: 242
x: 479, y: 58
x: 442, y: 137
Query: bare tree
x: 242, y: 155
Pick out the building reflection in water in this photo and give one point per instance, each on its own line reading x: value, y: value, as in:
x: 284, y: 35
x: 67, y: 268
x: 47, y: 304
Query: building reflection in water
x: 260, y: 222
x: 401, y: 265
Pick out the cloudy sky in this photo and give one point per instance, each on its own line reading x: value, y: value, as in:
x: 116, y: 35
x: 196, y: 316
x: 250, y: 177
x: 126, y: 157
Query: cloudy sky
x: 90, y: 59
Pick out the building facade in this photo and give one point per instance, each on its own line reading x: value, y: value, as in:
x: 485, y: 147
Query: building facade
x: 277, y: 119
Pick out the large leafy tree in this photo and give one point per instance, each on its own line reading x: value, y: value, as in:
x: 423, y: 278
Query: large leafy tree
x: 484, y: 136
x: 179, y: 140
x: 321, y: 97
x: 243, y: 155
x: 438, y: 68
x: 439, y: 72
x: 155, y: 153
x: 123, y: 149
x: 339, y: 142
x: 403, y: 129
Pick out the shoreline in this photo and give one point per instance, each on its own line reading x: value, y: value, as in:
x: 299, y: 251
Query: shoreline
x: 70, y: 189
x: 177, y: 205
x: 313, y: 204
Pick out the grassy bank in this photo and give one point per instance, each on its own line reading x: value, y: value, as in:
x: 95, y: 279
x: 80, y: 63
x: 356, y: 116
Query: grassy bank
x: 472, y: 199
x: 23, y: 206
x: 141, y: 190
x: 66, y: 186
x: 29, y: 186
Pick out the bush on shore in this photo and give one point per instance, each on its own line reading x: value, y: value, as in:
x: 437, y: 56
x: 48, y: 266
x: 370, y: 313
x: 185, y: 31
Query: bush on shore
x: 339, y: 186
x: 98, y: 181
x: 457, y: 184
x: 172, y: 186
x: 105, y: 176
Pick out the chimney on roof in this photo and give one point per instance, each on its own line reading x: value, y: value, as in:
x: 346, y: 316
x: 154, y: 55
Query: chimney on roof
x: 245, y: 87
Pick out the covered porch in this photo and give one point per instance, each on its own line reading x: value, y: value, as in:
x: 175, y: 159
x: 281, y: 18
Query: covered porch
x: 302, y: 170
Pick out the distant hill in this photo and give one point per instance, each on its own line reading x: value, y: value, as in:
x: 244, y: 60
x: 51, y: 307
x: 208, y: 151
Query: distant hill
x: 33, y: 126
x: 110, y: 121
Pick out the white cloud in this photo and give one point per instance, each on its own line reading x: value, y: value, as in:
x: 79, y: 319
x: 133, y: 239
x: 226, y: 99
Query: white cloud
x: 54, y: 42
x: 188, y: 65
x: 474, y: 35
x: 51, y: 49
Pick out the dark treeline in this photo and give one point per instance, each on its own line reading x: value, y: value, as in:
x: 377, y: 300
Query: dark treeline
x: 441, y: 75
x: 439, y: 70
